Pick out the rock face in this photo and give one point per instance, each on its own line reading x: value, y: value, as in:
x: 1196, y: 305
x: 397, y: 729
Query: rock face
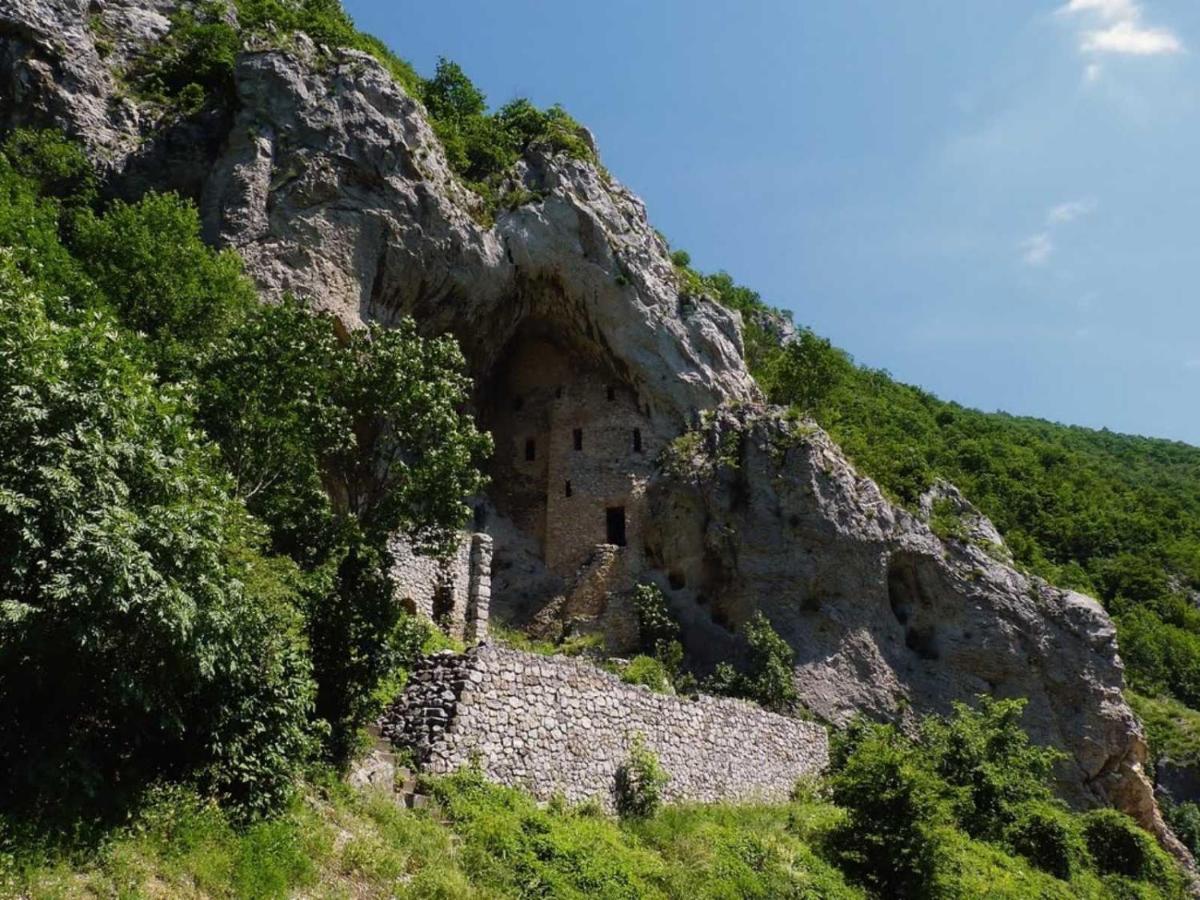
x: 328, y: 179
x: 759, y: 512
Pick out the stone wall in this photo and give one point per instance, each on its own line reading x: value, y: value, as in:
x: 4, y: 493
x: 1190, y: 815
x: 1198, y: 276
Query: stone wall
x: 554, y: 725
x: 455, y: 592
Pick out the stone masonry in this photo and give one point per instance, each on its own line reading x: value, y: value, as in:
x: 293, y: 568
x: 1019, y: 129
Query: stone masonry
x: 554, y: 725
x: 455, y: 591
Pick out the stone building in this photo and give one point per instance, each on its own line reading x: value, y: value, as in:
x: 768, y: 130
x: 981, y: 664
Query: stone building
x: 574, y: 453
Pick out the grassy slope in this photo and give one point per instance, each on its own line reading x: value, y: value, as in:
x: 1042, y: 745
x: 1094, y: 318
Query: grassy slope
x: 494, y: 842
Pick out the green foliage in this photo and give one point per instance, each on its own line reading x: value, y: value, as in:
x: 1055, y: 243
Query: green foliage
x: 640, y: 782
x: 1184, y: 819
x: 133, y: 564
x: 1048, y: 837
x: 767, y: 677
x: 161, y: 280
x: 648, y: 671
x: 194, y: 61
x: 347, y: 443
x: 889, y: 841
x: 54, y: 166
x: 1119, y: 847
x: 141, y: 632
x: 1172, y: 729
x: 986, y: 759
x: 657, y: 627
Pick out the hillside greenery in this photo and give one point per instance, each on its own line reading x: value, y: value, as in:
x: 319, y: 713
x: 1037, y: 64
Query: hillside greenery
x: 195, y: 501
x: 963, y: 812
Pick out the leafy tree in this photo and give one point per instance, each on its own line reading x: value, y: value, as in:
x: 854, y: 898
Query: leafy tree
x: 889, y: 841
x: 142, y: 633
x: 160, y: 279
x: 1119, y: 847
x: 349, y: 442
x: 987, y: 760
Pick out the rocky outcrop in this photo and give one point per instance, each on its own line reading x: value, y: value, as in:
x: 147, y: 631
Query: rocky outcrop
x: 328, y: 179
x: 761, y: 512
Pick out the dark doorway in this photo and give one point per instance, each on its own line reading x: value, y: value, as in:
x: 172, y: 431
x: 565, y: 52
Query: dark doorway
x: 577, y: 437
x: 530, y: 450
x: 443, y: 605
x: 637, y: 440
x: 615, y: 516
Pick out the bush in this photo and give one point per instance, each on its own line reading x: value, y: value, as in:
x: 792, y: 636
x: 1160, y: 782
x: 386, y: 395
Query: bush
x: 987, y: 760
x: 648, y: 671
x: 657, y: 627
x: 1119, y: 847
x: 1049, y: 838
x: 889, y: 841
x: 640, y: 781
x: 142, y: 634
x: 768, y: 676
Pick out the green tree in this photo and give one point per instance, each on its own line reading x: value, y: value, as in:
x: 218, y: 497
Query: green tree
x: 142, y: 633
x: 889, y: 841
x: 350, y: 441
x: 160, y: 278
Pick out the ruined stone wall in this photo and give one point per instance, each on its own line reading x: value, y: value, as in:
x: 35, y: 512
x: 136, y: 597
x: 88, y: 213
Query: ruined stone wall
x: 554, y: 725
x: 454, y: 592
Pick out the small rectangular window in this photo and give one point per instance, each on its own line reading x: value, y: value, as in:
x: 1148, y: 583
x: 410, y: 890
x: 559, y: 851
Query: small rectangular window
x: 612, y: 394
x: 567, y: 490
x: 558, y: 392
x: 530, y: 450
x: 637, y: 440
x: 578, y: 437
x: 518, y: 402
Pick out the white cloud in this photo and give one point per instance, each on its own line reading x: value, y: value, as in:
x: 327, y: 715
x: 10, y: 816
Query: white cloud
x: 1092, y: 73
x: 1123, y: 33
x: 1065, y: 213
x: 1037, y: 249
x: 1108, y: 9
x: 1131, y: 39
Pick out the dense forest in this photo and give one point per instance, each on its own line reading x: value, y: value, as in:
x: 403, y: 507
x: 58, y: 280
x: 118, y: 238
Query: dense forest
x: 196, y: 617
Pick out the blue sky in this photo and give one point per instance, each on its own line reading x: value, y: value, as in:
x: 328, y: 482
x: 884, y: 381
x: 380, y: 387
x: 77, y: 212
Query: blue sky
x: 994, y: 199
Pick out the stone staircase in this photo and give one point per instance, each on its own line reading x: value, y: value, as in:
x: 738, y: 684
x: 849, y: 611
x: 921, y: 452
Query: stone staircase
x: 380, y: 769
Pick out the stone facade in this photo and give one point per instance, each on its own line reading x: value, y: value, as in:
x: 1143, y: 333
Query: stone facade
x: 574, y: 452
x: 554, y: 725
x: 455, y: 591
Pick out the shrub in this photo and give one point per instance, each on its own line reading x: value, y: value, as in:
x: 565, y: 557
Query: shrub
x: 1049, y: 838
x: 55, y: 166
x: 142, y: 634
x: 648, y: 671
x: 987, y: 760
x: 889, y: 841
x: 657, y: 627
x: 640, y: 781
x: 1119, y: 847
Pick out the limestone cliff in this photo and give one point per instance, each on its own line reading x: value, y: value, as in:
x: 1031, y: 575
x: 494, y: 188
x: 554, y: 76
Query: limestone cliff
x: 328, y: 179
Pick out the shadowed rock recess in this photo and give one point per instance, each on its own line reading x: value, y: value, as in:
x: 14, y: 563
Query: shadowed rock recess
x: 327, y: 178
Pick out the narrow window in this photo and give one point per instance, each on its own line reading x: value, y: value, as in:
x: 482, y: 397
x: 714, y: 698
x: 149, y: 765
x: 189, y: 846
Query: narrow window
x: 558, y: 392
x: 615, y: 522
x: 518, y: 402
x: 612, y: 394
x: 578, y: 435
x: 567, y: 490
x: 530, y: 450
x: 637, y: 440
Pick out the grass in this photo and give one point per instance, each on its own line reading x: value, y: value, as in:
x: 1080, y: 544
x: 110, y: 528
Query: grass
x: 487, y: 841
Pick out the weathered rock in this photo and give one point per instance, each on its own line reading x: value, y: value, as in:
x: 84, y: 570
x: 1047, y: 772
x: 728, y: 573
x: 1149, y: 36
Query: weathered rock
x: 886, y: 618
